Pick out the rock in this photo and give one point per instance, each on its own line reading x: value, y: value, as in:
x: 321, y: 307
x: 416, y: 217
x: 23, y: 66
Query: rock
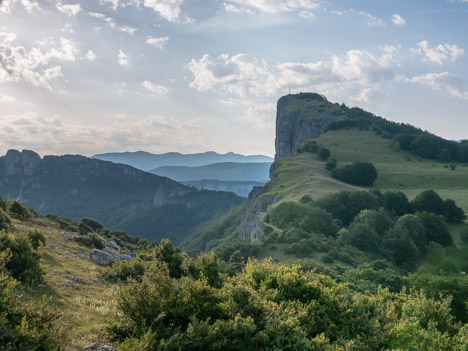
x: 170, y: 194
x: 106, y: 347
x: 21, y: 163
x: 251, y: 226
x: 93, y: 346
x: 77, y: 279
x: 125, y: 257
x: 114, y: 245
x: 300, y: 117
x: 101, y: 257
x: 110, y: 252
x: 69, y: 282
x: 82, y: 256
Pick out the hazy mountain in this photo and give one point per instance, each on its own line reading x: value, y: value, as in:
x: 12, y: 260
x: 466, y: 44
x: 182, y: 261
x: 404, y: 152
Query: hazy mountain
x: 146, y: 161
x: 120, y: 196
x: 230, y: 171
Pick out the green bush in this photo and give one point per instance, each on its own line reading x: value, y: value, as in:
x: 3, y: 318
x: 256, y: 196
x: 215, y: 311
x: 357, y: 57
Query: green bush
x: 331, y: 164
x: 18, y: 210
x: 324, y: 154
x: 5, y: 221
x: 123, y: 271
x: 22, y: 262
x: 358, y: 173
x: 428, y: 201
x: 464, y: 235
x: 452, y: 212
x: 311, y: 146
x: 26, y: 325
x: 37, y: 239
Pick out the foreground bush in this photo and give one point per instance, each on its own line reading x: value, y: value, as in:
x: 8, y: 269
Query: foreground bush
x: 25, y: 325
x: 270, y: 306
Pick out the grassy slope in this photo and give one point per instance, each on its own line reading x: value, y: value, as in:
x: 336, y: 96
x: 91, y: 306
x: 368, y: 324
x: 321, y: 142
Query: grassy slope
x: 305, y: 174
x: 86, y: 306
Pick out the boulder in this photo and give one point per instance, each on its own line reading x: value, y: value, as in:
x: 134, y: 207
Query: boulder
x: 101, y: 257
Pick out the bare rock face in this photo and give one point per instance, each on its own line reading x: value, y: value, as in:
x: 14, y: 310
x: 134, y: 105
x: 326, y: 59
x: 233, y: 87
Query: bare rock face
x: 251, y: 226
x: 21, y: 163
x: 300, y: 117
x: 170, y: 193
x: 101, y: 257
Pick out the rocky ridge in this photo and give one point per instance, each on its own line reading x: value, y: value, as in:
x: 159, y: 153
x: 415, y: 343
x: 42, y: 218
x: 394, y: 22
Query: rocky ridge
x: 299, y: 117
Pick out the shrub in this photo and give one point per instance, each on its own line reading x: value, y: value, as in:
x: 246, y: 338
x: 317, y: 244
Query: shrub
x: 37, y: 239
x: 91, y: 223
x: 328, y: 259
x: 311, y: 146
x: 464, y: 235
x: 436, y: 230
x: 324, y: 154
x: 397, y: 202
x: 331, y: 164
x: 452, y: 212
x: 428, y: 201
x: 5, y: 221
x: 91, y: 240
x: 18, y: 210
x: 23, y: 262
x: 25, y: 326
x: 358, y: 173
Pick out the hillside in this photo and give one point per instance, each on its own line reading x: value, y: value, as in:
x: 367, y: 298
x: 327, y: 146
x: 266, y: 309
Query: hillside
x: 120, y: 196
x: 299, y: 176
x: 227, y: 171
x: 240, y: 188
x: 146, y: 161
x: 161, y: 298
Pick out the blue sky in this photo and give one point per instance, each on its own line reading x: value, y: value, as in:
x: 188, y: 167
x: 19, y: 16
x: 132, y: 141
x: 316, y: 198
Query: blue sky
x: 98, y: 76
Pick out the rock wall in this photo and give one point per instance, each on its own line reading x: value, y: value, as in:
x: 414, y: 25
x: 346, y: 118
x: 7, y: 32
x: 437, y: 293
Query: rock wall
x: 300, y: 117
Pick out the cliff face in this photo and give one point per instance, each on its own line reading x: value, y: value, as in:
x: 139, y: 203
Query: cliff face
x: 300, y: 117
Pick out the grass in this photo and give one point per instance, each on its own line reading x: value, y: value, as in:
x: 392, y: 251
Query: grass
x: 397, y: 170
x: 85, y: 306
x: 304, y: 174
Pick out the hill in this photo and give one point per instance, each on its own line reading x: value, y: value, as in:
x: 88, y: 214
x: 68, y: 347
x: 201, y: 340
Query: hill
x: 120, y: 196
x: 306, y: 124
x: 73, y: 303
x: 227, y: 171
x: 146, y: 161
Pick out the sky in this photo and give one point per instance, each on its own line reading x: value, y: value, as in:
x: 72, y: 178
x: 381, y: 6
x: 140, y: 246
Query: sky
x: 94, y: 76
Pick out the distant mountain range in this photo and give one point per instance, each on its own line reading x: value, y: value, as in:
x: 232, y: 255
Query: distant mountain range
x: 147, y: 161
x: 226, y: 171
x: 120, y: 196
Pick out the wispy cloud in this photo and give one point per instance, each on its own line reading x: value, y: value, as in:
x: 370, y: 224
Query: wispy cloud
x: 446, y: 80
x: 398, y: 20
x: 159, y: 42
x: 438, y: 54
x: 155, y: 88
x: 123, y: 59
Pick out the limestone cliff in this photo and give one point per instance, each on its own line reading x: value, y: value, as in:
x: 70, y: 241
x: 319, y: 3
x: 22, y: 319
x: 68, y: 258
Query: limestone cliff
x: 300, y: 117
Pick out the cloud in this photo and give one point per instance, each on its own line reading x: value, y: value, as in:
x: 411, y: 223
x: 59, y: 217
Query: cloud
x: 245, y: 75
x: 52, y: 135
x: 111, y: 22
x: 365, y: 96
x: 123, y: 59
x: 271, y: 6
x: 439, y: 54
x: 372, y: 21
x: 114, y: 4
x: 159, y: 42
x: 168, y: 9
x: 29, y: 5
x: 398, y: 20
x: 446, y: 80
x: 7, y: 98
x: 157, y: 89
x: 69, y: 10
x: 18, y: 64
x: 90, y: 55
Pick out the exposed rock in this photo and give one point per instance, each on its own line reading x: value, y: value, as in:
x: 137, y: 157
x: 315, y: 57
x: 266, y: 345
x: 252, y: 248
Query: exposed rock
x: 300, y: 117
x: 251, y: 225
x: 77, y: 279
x: 170, y: 194
x: 114, y: 245
x: 21, y: 163
x: 101, y: 257
x: 93, y: 346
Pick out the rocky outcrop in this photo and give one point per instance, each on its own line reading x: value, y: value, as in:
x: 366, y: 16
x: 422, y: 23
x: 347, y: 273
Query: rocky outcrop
x: 170, y: 193
x: 300, y: 117
x: 21, y: 163
x: 101, y: 257
x: 251, y: 225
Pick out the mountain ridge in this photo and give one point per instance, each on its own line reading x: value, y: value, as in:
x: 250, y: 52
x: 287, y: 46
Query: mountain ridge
x: 145, y: 160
